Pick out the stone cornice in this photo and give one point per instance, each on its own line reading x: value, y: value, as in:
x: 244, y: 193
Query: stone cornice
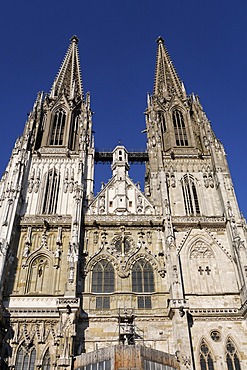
x: 24, y: 302
x: 189, y: 221
x: 55, y: 151
x: 219, y: 313
x: 51, y: 219
x: 131, y: 220
x: 35, y: 312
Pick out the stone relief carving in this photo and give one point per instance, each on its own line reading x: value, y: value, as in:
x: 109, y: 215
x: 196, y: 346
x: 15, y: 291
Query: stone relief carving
x: 171, y: 180
x: 102, y: 204
x: 26, y: 250
x: 208, y: 180
x: 37, y: 181
x: 123, y: 252
x: 3, y: 247
x: 201, y: 250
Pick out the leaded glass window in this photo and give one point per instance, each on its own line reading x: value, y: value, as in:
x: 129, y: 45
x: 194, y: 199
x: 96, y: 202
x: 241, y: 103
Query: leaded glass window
x: 179, y: 128
x: 50, y: 196
x: 143, y: 282
x: 25, y: 358
x: 232, y: 358
x: 103, y: 282
x: 206, y: 360
x: 191, y: 202
x: 74, y: 132
x: 58, y: 125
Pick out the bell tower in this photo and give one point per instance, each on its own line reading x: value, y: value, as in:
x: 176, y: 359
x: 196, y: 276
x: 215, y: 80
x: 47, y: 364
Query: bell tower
x: 189, y: 183
x: 54, y: 159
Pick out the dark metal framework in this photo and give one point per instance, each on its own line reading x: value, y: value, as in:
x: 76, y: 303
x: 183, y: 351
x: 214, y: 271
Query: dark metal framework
x: 133, y: 156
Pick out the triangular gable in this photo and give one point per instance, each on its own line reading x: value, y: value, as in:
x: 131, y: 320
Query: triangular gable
x: 120, y: 198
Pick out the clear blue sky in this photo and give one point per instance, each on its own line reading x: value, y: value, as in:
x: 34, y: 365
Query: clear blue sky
x: 207, y: 41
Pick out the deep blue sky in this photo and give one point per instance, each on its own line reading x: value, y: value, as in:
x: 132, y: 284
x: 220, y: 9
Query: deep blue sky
x: 207, y: 41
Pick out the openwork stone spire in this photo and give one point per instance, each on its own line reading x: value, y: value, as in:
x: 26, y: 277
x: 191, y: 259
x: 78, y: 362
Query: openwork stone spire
x: 68, y: 80
x: 166, y: 82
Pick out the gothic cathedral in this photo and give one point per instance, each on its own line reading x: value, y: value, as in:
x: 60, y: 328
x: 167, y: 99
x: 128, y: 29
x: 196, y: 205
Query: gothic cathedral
x: 130, y: 279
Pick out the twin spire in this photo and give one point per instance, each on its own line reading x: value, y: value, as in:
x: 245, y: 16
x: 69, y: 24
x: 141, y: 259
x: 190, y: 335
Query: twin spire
x: 68, y: 80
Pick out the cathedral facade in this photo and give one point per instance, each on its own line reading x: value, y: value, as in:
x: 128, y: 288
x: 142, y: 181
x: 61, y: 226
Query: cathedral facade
x: 153, y: 279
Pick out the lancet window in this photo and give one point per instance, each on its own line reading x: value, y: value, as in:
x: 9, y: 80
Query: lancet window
x: 38, y: 276
x: 58, y: 126
x: 162, y: 121
x: 232, y: 358
x: 74, y: 133
x: 206, y: 359
x: 46, y: 363
x: 143, y: 282
x: 103, y: 282
x: 191, y: 202
x: 25, y: 358
x: 50, y: 196
x: 179, y: 128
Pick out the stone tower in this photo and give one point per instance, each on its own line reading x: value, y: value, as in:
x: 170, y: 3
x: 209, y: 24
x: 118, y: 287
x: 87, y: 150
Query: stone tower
x: 99, y: 281
x: 42, y: 193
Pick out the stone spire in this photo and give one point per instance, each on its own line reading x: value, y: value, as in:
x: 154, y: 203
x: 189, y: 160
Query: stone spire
x: 166, y: 81
x: 68, y: 79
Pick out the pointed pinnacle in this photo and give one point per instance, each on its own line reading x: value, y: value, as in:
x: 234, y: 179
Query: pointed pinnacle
x: 166, y: 81
x: 160, y: 40
x: 68, y: 79
x: 75, y: 39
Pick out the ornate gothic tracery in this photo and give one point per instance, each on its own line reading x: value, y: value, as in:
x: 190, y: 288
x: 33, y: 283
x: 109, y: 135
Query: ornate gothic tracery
x: 25, y: 358
x: 179, y: 128
x: 232, y: 357
x: 143, y: 282
x: 50, y: 195
x: 191, y: 202
x: 46, y: 363
x: 103, y: 282
x: 58, y: 127
x: 206, y: 359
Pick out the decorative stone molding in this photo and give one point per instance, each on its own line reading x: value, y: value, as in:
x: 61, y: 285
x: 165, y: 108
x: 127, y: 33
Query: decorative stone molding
x: 25, y: 313
x: 64, y: 302
x: 215, y: 312
x: 203, y: 221
x: 201, y: 250
x: 51, y: 219
x: 144, y: 220
x: 53, y: 150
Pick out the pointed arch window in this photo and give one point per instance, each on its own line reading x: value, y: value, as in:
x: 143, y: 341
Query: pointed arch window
x: 191, y: 202
x: 50, y: 196
x: 143, y: 282
x: 162, y: 121
x: 206, y: 359
x: 25, y: 358
x: 179, y: 128
x: 38, y: 276
x: 58, y: 125
x: 74, y: 132
x: 232, y: 358
x: 103, y: 282
x: 46, y: 363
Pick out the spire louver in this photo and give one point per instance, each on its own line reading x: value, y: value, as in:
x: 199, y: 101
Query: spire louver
x: 167, y: 82
x: 68, y: 80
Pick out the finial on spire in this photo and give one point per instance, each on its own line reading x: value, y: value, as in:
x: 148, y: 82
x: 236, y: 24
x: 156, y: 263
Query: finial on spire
x: 160, y: 40
x: 75, y: 39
